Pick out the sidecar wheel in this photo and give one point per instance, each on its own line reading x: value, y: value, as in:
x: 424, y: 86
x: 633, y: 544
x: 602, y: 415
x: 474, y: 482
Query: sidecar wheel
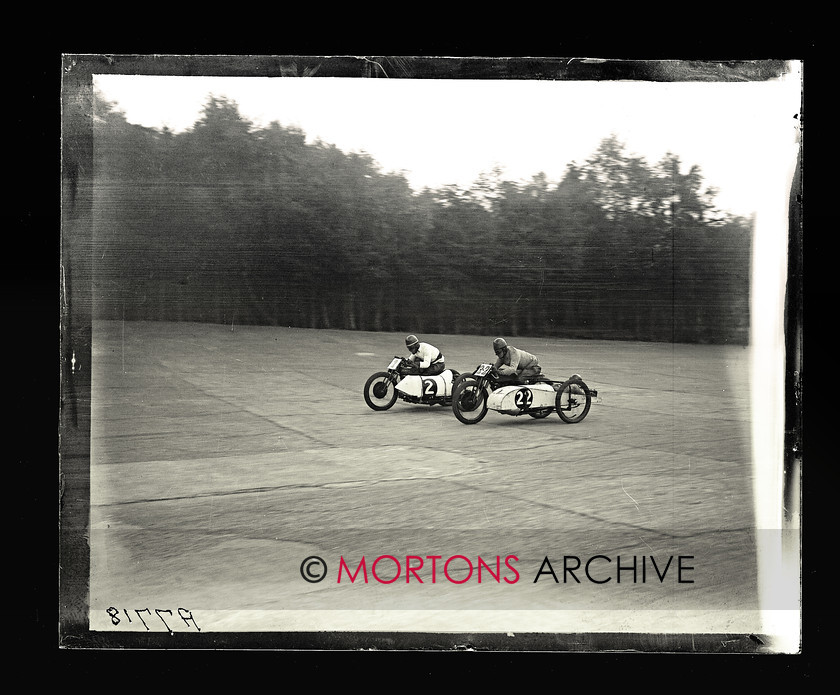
x: 573, y: 401
x: 380, y: 393
x: 469, y: 401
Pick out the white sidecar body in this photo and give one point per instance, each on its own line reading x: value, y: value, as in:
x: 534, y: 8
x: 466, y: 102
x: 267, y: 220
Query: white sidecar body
x: 437, y: 386
x: 516, y: 399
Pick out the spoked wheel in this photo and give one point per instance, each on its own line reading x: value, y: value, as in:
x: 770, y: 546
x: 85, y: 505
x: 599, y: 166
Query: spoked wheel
x: 540, y: 414
x: 573, y: 401
x: 458, y: 378
x: 469, y: 401
x: 380, y: 393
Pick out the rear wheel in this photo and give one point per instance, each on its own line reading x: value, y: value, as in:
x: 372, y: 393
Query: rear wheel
x: 380, y: 393
x: 469, y: 401
x: 573, y: 401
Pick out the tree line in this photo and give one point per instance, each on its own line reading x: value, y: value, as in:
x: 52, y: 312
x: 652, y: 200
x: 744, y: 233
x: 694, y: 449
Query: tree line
x: 230, y: 223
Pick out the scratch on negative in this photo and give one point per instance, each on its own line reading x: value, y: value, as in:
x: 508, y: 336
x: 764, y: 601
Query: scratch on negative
x: 630, y: 496
x: 376, y: 63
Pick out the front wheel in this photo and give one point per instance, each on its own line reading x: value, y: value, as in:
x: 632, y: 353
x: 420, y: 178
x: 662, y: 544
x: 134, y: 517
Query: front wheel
x: 457, y: 378
x: 380, y: 393
x: 469, y: 401
x: 573, y: 401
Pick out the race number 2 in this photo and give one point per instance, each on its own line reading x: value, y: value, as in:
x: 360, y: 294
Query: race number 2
x: 429, y: 387
x: 523, y: 398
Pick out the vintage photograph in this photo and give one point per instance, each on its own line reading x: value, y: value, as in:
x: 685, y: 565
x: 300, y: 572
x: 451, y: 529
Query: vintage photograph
x: 406, y: 352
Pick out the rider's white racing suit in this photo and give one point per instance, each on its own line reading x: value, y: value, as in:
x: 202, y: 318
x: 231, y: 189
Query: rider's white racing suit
x: 428, y: 359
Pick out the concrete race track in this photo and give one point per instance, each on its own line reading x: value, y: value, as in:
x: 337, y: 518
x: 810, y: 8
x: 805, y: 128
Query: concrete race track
x: 224, y: 456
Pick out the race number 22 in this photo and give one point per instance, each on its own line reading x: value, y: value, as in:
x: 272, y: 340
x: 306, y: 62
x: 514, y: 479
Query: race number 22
x: 523, y: 398
x: 168, y: 618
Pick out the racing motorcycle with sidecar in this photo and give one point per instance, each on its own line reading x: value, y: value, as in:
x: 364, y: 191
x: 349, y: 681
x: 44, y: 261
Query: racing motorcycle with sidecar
x: 401, y: 381
x: 537, y: 396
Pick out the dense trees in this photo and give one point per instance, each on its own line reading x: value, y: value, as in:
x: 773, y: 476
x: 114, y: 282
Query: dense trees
x: 234, y: 224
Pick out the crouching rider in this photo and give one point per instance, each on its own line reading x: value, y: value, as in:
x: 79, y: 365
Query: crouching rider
x: 426, y: 359
x: 514, y: 364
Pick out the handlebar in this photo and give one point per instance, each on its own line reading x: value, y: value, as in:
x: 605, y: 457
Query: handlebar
x: 405, y: 365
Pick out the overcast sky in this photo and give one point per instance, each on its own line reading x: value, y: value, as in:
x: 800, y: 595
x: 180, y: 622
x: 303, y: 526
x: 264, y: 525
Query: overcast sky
x: 441, y: 132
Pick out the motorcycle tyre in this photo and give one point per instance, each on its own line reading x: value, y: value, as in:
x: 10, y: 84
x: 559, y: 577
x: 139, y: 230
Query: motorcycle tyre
x: 566, y: 387
x: 387, y: 402
x: 456, y: 397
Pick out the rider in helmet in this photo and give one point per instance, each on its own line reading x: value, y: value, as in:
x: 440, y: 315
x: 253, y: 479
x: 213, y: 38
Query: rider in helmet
x: 513, y: 363
x: 426, y: 359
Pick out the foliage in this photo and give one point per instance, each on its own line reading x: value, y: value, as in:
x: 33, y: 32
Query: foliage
x: 230, y: 223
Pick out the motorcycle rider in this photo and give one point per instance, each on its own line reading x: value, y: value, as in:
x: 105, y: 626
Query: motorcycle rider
x: 426, y: 359
x: 513, y: 363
